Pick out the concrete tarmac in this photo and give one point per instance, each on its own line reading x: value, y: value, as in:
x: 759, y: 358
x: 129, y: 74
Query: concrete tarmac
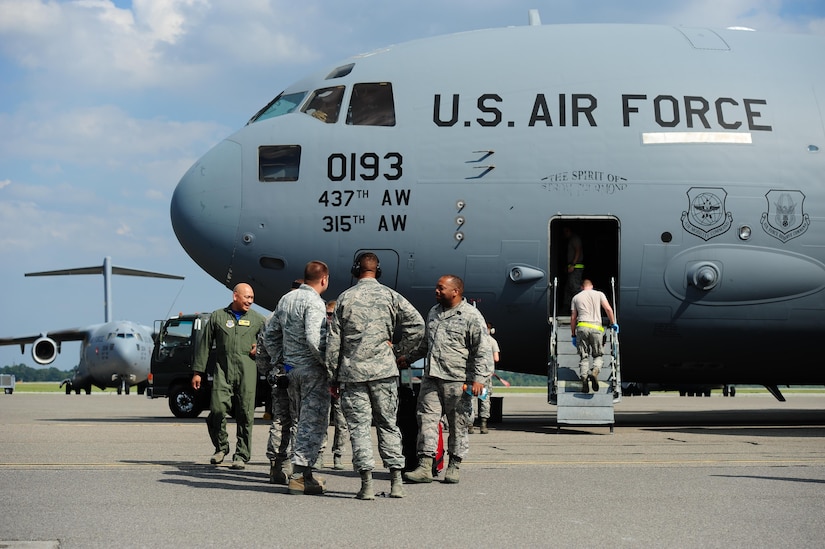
x: 104, y: 470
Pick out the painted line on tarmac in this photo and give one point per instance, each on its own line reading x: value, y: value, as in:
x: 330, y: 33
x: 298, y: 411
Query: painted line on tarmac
x: 107, y: 465
x: 799, y: 461
x: 555, y: 463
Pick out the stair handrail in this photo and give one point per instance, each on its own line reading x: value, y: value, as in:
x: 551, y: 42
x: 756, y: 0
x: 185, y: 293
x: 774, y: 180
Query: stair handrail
x: 552, y: 362
x: 614, y: 347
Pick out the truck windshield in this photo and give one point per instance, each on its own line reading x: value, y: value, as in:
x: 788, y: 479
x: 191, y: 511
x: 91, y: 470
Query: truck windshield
x: 176, y: 333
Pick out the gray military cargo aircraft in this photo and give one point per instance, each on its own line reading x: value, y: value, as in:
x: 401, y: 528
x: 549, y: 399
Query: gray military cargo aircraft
x: 688, y: 160
x: 116, y: 353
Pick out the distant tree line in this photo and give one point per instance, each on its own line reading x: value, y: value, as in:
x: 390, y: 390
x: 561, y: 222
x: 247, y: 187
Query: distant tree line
x: 22, y: 372
x: 520, y: 380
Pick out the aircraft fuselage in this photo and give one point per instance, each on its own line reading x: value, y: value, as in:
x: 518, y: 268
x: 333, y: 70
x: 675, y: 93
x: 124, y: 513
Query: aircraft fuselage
x: 688, y: 160
x: 116, y: 352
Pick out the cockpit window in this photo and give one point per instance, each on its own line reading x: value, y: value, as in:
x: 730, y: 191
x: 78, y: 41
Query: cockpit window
x: 325, y: 104
x: 282, y: 104
x: 371, y: 105
x: 279, y: 162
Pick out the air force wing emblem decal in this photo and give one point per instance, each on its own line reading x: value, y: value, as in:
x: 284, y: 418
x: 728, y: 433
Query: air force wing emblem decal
x: 706, y: 216
x: 785, y: 218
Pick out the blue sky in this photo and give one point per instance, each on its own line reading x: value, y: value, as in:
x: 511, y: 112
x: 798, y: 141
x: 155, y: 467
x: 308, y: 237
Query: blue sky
x: 104, y: 105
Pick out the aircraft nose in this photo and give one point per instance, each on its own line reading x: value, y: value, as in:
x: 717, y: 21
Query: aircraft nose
x: 206, y: 208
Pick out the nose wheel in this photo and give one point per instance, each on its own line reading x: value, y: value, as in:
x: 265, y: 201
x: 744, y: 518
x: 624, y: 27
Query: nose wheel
x: 124, y: 387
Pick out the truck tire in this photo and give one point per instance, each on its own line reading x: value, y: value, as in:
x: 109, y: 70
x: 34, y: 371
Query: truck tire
x: 183, y: 402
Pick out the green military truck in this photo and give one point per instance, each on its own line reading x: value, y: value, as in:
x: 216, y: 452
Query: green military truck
x: 171, y: 371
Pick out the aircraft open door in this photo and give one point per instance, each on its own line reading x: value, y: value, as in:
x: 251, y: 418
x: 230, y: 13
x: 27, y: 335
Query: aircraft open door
x: 600, y: 247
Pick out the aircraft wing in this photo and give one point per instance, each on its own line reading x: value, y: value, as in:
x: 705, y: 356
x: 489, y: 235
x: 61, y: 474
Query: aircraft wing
x: 99, y: 270
x: 71, y: 334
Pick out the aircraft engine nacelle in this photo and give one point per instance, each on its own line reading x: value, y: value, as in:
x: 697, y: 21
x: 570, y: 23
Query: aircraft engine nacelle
x: 44, y: 350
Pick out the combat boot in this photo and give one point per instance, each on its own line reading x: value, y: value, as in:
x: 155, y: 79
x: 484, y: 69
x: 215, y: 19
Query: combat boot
x: 296, y: 484
x: 483, y: 428
x: 313, y: 486
x: 594, y: 379
x: 585, y: 386
x: 337, y: 462
x: 302, y: 482
x: 471, y: 429
x: 279, y: 472
x: 422, y: 473
x: 396, y: 484
x: 366, y: 491
x: 451, y: 476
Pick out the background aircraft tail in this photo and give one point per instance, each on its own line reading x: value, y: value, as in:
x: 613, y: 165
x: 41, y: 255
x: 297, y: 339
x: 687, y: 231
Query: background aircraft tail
x: 107, y: 270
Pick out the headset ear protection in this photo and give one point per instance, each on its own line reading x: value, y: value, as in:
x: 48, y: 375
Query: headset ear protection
x: 356, y: 267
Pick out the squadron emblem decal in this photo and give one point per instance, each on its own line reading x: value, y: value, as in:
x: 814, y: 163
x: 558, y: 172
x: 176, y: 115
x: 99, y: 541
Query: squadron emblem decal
x: 785, y: 219
x: 706, y: 216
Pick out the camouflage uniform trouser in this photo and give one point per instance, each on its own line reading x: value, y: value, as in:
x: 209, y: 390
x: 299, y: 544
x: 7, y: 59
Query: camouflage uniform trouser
x: 484, y: 405
x: 367, y: 402
x: 238, y: 394
x: 589, y: 343
x: 441, y: 397
x: 341, y: 430
x: 309, y: 396
x: 280, y: 432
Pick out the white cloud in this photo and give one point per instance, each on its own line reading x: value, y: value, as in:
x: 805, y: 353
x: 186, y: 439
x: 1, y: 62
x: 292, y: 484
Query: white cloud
x: 97, y: 45
x: 761, y: 15
x: 105, y: 136
x: 124, y: 230
x: 26, y: 228
x: 167, y: 20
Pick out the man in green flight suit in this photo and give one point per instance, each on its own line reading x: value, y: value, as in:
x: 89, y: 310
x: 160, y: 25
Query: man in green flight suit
x: 234, y: 332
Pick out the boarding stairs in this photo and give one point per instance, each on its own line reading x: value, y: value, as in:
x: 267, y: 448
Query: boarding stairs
x: 564, y: 386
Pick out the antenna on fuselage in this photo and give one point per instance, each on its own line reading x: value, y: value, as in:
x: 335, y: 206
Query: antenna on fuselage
x: 107, y: 270
x: 534, y: 18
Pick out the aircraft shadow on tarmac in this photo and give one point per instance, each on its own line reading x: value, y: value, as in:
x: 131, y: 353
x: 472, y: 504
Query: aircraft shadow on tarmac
x: 775, y: 423
x: 794, y: 431
x: 786, y: 479
x: 722, y: 418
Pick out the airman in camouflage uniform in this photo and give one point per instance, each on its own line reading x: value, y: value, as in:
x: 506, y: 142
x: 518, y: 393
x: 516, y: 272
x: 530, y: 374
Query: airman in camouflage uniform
x: 360, y: 357
x: 457, y: 353
x: 234, y: 332
x: 296, y: 334
x: 485, y: 404
x: 341, y: 432
x: 280, y: 431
